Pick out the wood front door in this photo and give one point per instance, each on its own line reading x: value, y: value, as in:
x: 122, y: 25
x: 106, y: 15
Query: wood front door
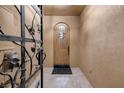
x: 61, y: 44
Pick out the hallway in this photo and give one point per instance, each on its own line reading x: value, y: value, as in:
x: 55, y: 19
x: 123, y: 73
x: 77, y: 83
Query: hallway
x: 61, y: 46
x: 76, y: 80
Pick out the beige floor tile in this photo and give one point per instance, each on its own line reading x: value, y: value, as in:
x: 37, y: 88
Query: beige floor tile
x: 76, y: 80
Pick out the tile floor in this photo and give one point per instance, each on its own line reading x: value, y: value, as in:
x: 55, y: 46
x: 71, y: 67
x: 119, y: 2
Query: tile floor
x: 76, y: 80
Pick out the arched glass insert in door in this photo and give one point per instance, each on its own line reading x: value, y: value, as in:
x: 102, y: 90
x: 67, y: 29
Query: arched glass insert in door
x: 62, y: 28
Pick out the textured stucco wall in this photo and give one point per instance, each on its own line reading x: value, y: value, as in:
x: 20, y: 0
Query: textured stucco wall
x: 102, y: 45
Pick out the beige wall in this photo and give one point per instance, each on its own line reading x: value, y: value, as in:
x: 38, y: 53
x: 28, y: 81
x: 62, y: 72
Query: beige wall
x: 49, y: 23
x: 102, y: 45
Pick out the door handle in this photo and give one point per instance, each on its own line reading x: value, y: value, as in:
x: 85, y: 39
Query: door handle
x: 68, y: 50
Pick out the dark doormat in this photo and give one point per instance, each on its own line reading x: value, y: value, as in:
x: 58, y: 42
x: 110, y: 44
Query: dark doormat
x: 62, y: 69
